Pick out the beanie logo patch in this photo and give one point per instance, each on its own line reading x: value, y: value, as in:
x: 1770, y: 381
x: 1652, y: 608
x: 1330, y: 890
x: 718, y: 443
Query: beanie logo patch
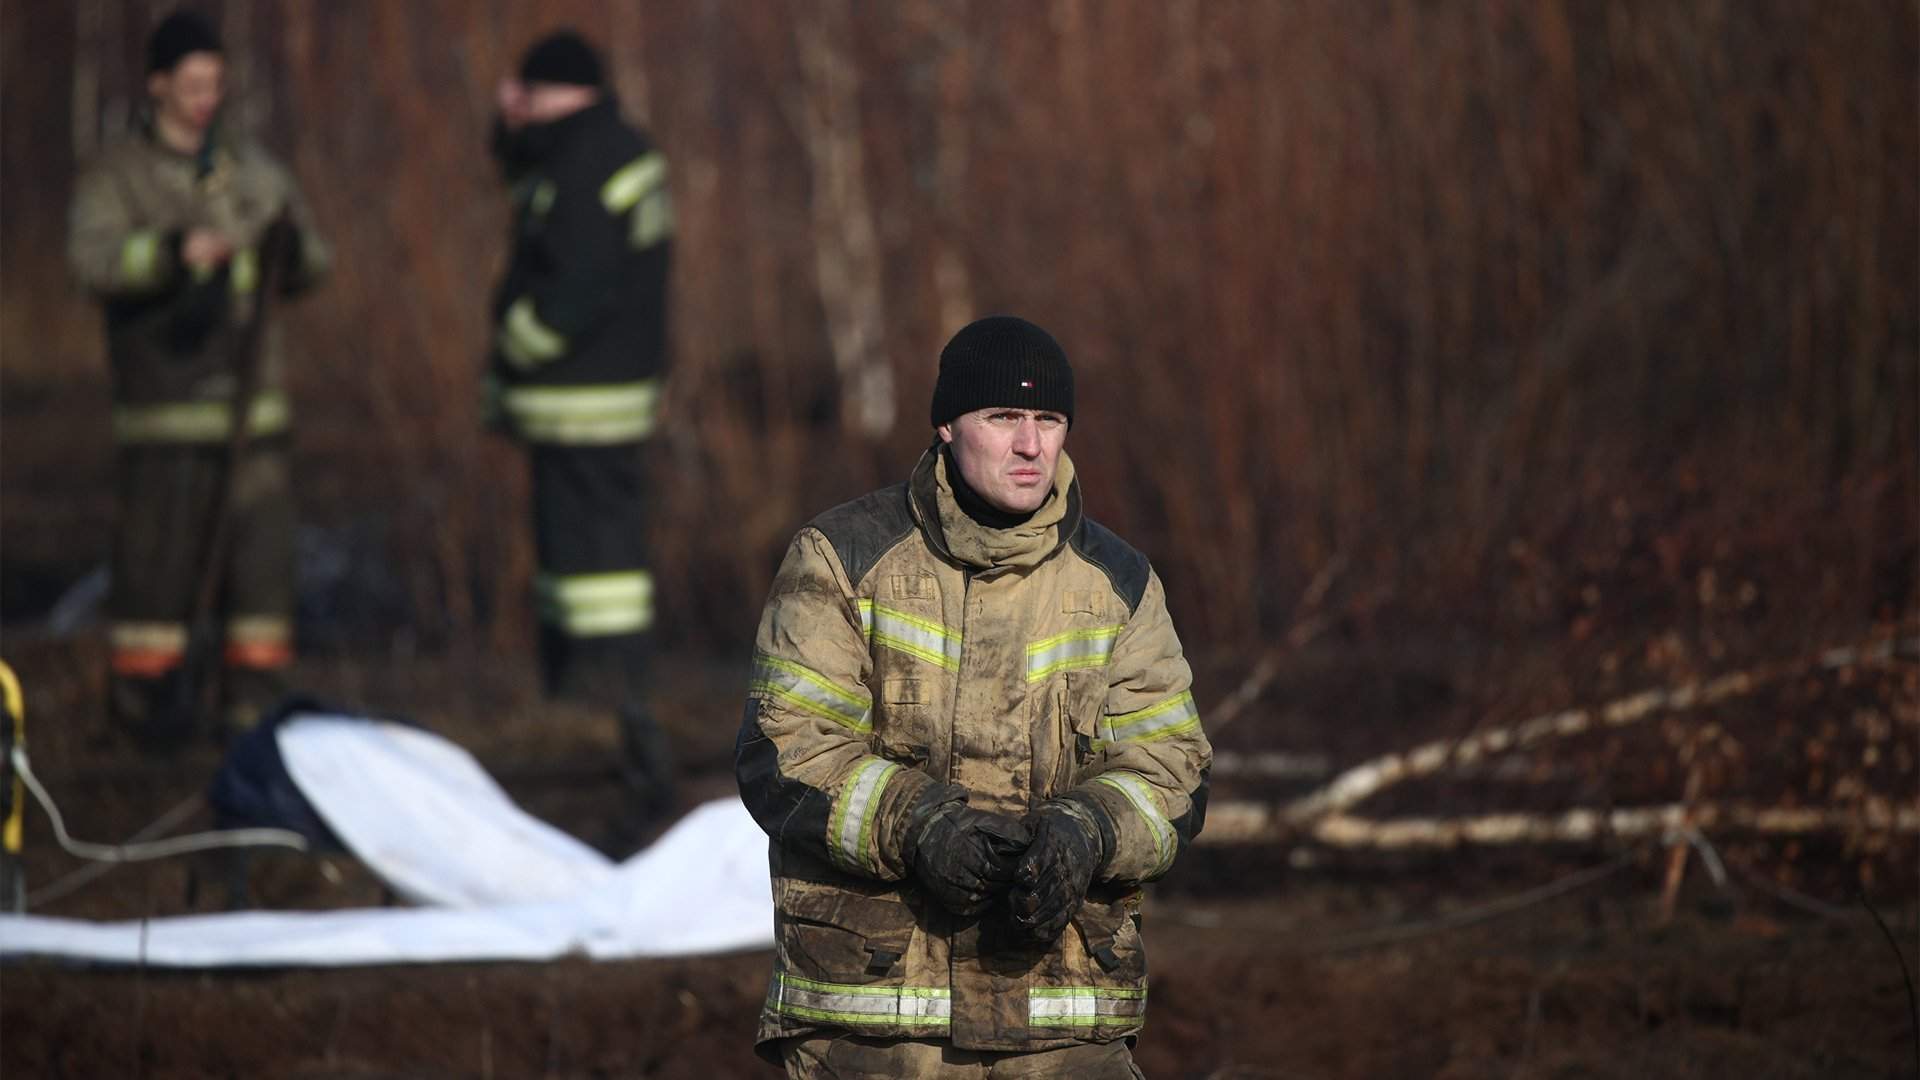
x: 1026, y: 384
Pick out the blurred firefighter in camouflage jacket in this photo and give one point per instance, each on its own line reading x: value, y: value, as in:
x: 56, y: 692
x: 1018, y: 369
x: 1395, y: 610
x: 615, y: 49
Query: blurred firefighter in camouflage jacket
x: 971, y: 737
x: 165, y: 229
x: 579, y: 348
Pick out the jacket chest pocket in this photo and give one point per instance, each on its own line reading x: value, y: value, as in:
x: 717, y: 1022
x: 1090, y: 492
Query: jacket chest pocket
x: 835, y: 936
x: 903, y: 725
x: 1067, y: 725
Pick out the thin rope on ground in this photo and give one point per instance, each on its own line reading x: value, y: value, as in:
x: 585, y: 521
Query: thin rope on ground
x: 66, y: 885
x: 1792, y: 897
x: 158, y: 849
x: 1506, y: 905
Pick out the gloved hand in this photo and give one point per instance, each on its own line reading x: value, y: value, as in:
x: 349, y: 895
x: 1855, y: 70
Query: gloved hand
x: 1051, y: 879
x: 963, y: 857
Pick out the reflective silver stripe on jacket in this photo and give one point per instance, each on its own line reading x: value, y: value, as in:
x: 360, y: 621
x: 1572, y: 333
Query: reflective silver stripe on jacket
x: 806, y: 689
x: 855, y: 1006
x: 866, y: 619
x: 594, y: 414
x: 1073, y: 649
x: 1174, y: 716
x: 1083, y: 1006
x: 197, y: 421
x: 915, y: 636
x: 596, y: 605
x: 850, y: 832
x: 1137, y: 791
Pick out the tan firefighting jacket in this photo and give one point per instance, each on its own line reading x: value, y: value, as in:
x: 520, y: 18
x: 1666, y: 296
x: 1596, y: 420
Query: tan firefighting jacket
x: 902, y: 644
x: 170, y: 332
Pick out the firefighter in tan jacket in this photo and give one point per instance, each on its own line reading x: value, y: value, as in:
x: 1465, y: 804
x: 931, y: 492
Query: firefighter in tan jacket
x: 166, y: 229
x: 971, y: 737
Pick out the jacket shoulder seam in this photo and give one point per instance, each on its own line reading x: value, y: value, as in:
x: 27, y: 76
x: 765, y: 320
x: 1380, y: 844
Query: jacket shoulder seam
x: 861, y: 531
x: 1126, y: 569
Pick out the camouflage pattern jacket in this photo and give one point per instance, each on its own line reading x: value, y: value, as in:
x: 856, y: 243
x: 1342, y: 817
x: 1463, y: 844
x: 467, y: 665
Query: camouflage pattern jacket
x: 903, y: 644
x: 170, y: 330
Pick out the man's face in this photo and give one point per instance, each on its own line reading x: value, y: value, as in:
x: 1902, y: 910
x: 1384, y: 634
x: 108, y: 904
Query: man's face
x: 1007, y: 455
x: 189, y: 96
x: 522, y: 103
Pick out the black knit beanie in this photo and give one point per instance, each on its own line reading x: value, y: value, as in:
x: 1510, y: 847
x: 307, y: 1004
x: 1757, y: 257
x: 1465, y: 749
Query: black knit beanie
x: 1002, y: 362
x: 562, y: 57
x: 178, y: 36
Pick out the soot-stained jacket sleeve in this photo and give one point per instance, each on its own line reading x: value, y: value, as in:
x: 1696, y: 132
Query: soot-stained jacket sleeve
x: 110, y: 252
x: 803, y: 759
x: 1151, y: 758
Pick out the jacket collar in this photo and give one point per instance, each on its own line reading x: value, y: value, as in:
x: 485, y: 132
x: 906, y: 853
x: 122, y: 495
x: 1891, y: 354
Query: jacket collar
x: 959, y: 539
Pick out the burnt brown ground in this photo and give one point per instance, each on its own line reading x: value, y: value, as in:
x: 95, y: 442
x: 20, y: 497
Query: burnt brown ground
x: 1264, y: 965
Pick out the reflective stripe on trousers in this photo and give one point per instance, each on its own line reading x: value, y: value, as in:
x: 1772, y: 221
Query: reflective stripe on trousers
x: 590, y: 415
x: 597, y: 605
x: 208, y: 422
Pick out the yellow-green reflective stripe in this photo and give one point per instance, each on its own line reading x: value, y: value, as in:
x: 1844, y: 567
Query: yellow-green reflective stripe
x: 1083, y: 1006
x: 637, y: 177
x: 592, y: 605
x: 140, y: 259
x: 245, y: 276
x: 852, y: 824
x: 1171, y: 717
x: 158, y: 636
x: 804, y: 688
x: 914, y: 636
x: 1073, y: 649
x: 260, y: 629
x: 594, y: 413
x: 197, y: 421
x: 652, y: 220
x: 526, y: 341
x: 845, y: 1003
x: 866, y: 618
x: 1135, y: 788
x: 541, y: 199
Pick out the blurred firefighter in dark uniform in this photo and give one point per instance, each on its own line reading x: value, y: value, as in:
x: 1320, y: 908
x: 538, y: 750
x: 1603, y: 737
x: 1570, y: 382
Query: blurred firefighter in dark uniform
x: 165, y: 228
x: 579, y: 348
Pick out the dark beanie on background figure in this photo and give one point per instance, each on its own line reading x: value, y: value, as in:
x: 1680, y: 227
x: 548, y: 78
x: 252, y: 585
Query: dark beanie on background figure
x: 1002, y: 362
x: 178, y: 36
x: 562, y: 57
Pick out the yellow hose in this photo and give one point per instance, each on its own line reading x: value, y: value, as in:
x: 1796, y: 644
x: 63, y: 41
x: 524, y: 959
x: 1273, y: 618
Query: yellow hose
x: 16, y: 707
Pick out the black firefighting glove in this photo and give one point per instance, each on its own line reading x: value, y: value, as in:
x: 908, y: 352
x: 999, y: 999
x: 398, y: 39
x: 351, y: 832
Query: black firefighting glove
x: 962, y: 857
x: 1050, y: 882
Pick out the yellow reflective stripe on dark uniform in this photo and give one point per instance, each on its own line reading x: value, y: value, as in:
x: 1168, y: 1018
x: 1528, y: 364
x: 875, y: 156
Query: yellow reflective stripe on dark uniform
x: 149, y: 636
x: 140, y: 260
x: 526, y: 341
x: 640, y: 186
x: 806, y: 689
x: 850, y: 829
x: 1084, y: 1006
x: 1174, y: 716
x: 245, y: 274
x: 1073, y: 649
x: 929, y: 641
x: 854, y: 1005
x: 597, y: 605
x: 197, y: 421
x: 1140, y: 795
x: 632, y: 181
x: 584, y: 415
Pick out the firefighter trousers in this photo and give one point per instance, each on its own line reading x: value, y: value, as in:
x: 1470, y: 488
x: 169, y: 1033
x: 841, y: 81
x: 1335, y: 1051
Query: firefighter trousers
x: 594, y: 595
x: 166, y: 501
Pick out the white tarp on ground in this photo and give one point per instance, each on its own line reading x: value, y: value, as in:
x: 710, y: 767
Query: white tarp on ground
x: 421, y: 813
